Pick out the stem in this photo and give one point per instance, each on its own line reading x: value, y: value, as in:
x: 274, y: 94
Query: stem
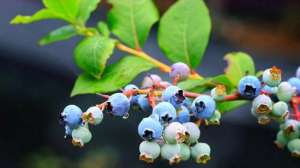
x: 163, y: 67
x: 191, y: 94
x: 294, y: 103
x: 234, y: 96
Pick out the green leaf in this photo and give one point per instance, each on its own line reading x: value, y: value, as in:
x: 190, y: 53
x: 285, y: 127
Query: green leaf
x: 42, y: 14
x: 62, y: 33
x: 239, y: 65
x: 114, y: 77
x: 184, y: 32
x: 92, y: 53
x: 86, y: 7
x: 230, y: 105
x: 67, y: 8
x: 103, y: 29
x: 131, y: 20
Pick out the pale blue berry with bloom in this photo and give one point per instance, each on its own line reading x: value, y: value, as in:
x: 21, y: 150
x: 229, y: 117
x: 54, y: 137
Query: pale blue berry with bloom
x: 71, y: 116
x: 150, y: 80
x: 133, y: 99
x: 174, y: 95
x: 185, y: 152
x: 272, y: 76
x: 192, y: 132
x: 298, y: 72
x: 144, y: 104
x: 269, y: 90
x: 183, y: 115
x: 149, y: 151
x: 180, y: 70
x: 118, y: 104
x: 150, y: 129
x: 294, y: 147
x: 295, y: 82
x: 175, y: 132
x: 81, y: 136
x: 171, y: 152
x: 262, y: 104
x: 280, y: 110
x: 165, y: 111
x: 201, y: 152
x: 93, y: 115
x: 203, y: 106
x: 249, y: 86
x: 285, y: 91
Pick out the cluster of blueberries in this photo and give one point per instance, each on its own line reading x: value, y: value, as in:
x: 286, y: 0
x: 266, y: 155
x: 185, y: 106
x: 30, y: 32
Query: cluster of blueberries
x: 171, y: 129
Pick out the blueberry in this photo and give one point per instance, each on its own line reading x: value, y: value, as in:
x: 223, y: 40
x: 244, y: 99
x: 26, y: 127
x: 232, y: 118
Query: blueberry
x: 71, y: 115
x: 280, y: 110
x: 215, y: 119
x: 130, y: 87
x: 81, y: 136
x: 150, y: 129
x: 68, y: 131
x: 144, y: 103
x: 203, y: 106
x: 192, y: 132
x: 150, y: 80
x: 133, y: 99
x: 269, y: 90
x: 174, y: 95
x: 262, y: 104
x: 291, y: 128
x: 285, y: 91
x: 175, y: 133
x: 295, y: 82
x: 201, y: 152
x: 249, y: 87
x: 281, y: 140
x: 171, y: 152
x: 93, y: 115
x: 185, y: 152
x: 149, y: 151
x: 218, y: 92
x: 187, y: 103
x: 180, y: 70
x: 272, y: 76
x: 298, y: 72
x: 118, y: 104
x: 165, y: 111
x: 294, y: 147
x: 183, y: 115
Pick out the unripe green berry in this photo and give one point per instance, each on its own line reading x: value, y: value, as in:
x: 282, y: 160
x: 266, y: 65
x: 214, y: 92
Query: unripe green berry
x: 185, y: 152
x: 193, y: 132
x: 280, y: 110
x: 175, y: 132
x: 149, y: 151
x: 171, y: 152
x: 281, y: 140
x: 294, y: 147
x: 285, y: 91
x: 81, y: 136
x: 215, y: 119
x: 201, y: 152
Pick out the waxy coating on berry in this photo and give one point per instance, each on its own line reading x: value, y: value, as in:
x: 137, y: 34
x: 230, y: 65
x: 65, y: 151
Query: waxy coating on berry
x: 269, y: 90
x: 295, y: 82
x: 81, y: 136
x: 71, y: 115
x: 118, y: 104
x: 149, y: 151
x: 272, y: 76
x: 281, y: 140
x: 294, y: 147
x: 280, y: 110
x: 171, y: 152
x: 150, y: 80
x: 143, y: 103
x: 249, y: 87
x: 203, y: 106
x: 185, y: 152
x: 183, y: 115
x: 180, y: 70
x: 192, y: 132
x: 93, y: 115
x: 201, y: 152
x: 165, y: 111
x: 150, y: 129
x: 262, y: 104
x: 291, y: 128
x: 175, y: 132
x: 285, y: 91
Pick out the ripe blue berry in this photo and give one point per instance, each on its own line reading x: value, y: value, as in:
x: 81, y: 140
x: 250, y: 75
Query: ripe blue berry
x: 201, y: 153
x: 272, y: 76
x: 203, y: 106
x: 72, y: 116
x: 118, y: 104
x: 150, y: 129
x: 280, y: 110
x: 174, y: 95
x: 93, y: 115
x: 192, y: 131
x: 171, y: 152
x: 183, y: 115
x: 81, y: 136
x: 180, y: 70
x: 262, y: 104
x: 149, y: 151
x: 165, y: 111
x: 249, y: 87
x: 298, y: 72
x: 295, y: 82
x: 150, y: 80
x: 175, y: 133
x: 134, y: 99
x: 143, y: 103
x: 294, y: 147
x: 285, y: 91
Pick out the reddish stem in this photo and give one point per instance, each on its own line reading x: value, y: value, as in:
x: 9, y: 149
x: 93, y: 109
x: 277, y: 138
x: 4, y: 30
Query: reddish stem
x: 191, y: 94
x: 234, y: 96
x: 295, y: 105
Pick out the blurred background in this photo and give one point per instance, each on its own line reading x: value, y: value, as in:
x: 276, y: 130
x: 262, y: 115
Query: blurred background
x: 36, y: 82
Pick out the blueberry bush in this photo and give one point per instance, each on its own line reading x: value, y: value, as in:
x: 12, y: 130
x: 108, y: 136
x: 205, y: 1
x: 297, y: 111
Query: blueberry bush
x: 176, y: 109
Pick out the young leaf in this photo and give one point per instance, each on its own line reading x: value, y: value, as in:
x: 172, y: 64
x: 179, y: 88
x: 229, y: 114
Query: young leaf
x: 42, y: 14
x: 86, y: 7
x: 62, y: 33
x: 115, y: 76
x: 103, y: 29
x: 239, y: 65
x: 230, y: 105
x: 184, y: 32
x: 131, y: 20
x: 92, y: 53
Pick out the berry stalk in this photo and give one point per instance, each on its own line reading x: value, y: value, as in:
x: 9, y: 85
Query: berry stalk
x: 295, y: 106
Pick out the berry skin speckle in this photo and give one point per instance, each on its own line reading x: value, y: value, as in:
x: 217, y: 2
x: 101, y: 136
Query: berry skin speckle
x: 71, y: 115
x: 295, y: 82
x: 201, y: 152
x: 249, y: 87
x: 285, y: 91
x: 180, y: 70
x: 150, y: 129
x: 203, y: 106
x: 272, y: 76
x: 165, y: 111
x: 149, y: 151
x: 118, y: 104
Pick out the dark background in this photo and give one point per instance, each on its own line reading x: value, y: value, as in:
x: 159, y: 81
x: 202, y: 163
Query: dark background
x: 36, y: 81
